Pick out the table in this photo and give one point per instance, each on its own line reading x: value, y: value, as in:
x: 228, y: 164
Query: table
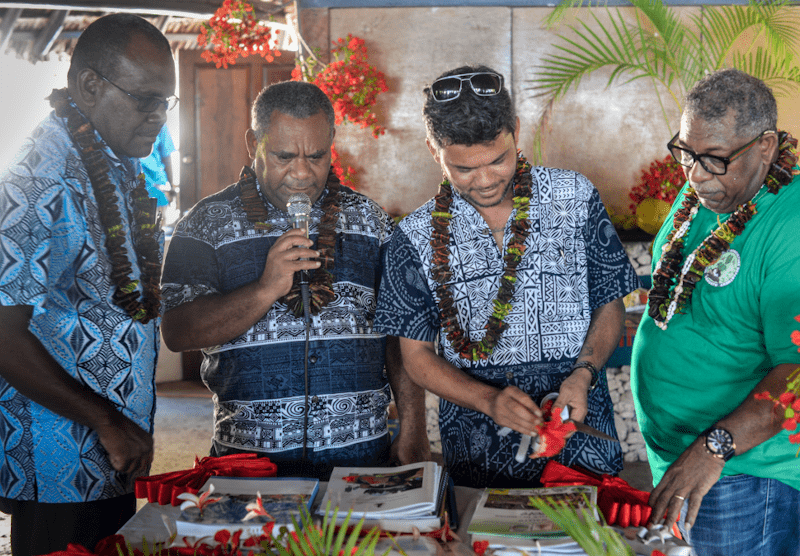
x: 154, y: 523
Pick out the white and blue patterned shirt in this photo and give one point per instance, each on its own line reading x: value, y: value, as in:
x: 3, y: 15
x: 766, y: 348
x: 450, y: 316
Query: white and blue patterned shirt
x: 54, y: 259
x: 258, y: 377
x: 573, y: 264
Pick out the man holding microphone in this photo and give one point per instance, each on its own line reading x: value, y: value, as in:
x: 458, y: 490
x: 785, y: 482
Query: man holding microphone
x: 309, y: 395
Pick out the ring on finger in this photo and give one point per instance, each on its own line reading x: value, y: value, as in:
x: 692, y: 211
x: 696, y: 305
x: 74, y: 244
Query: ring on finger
x: 679, y: 497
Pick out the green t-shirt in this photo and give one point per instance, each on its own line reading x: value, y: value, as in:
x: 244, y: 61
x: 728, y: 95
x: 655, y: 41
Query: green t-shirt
x: 736, y: 328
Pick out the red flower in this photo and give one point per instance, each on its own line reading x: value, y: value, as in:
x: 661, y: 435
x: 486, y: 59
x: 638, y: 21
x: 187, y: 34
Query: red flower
x: 663, y: 181
x: 479, y: 547
x: 763, y: 395
x: 235, y: 31
x: 796, y: 338
x: 787, y: 398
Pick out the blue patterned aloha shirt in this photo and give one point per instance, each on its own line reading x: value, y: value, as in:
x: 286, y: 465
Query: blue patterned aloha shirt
x: 258, y: 378
x: 54, y: 259
x: 573, y: 264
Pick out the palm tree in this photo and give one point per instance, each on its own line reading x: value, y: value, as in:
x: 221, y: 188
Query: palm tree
x: 760, y: 38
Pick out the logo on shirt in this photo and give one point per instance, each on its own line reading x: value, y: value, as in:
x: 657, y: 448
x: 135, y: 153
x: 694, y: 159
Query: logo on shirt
x: 722, y: 272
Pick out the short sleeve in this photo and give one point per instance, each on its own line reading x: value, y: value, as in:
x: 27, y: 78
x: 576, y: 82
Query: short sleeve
x: 190, y: 267
x: 41, y: 236
x: 406, y: 307
x: 779, y: 294
x: 610, y: 272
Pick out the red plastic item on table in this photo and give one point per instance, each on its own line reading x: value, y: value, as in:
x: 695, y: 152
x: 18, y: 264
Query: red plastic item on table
x: 620, y: 503
x: 165, y: 488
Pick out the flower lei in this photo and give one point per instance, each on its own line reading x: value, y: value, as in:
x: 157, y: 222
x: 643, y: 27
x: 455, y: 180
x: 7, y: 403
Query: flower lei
x: 662, y: 305
x: 441, y: 271
x: 145, y: 226
x: 321, y: 283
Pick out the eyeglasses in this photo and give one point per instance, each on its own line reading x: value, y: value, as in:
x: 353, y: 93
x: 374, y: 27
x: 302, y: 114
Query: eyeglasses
x: 717, y: 165
x: 483, y: 83
x: 146, y: 104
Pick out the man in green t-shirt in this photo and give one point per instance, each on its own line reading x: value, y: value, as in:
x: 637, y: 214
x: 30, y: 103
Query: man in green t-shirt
x: 719, y: 324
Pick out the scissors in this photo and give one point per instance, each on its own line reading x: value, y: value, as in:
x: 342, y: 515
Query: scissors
x: 525, y: 442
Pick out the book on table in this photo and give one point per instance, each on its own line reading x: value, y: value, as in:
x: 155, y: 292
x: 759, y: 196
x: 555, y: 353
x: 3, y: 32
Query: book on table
x: 507, y: 517
x: 396, y: 499
x: 281, y: 498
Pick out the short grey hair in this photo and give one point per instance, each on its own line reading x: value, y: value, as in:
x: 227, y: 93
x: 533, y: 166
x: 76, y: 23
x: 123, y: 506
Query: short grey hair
x: 297, y: 99
x: 750, y: 98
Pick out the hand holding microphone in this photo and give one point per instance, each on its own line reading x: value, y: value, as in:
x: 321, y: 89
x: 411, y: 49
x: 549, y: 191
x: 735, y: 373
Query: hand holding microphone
x: 284, y: 258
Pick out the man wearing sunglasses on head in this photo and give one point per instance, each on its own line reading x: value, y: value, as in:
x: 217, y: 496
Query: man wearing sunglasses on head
x: 519, y: 274
x: 79, y: 294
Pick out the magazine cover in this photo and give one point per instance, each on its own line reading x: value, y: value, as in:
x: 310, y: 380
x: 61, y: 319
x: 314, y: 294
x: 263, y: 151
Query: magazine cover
x: 509, y: 512
x: 401, y: 492
x: 280, y: 497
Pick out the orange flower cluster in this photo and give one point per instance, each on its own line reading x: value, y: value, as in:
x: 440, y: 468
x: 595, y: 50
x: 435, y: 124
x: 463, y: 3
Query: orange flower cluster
x: 352, y: 84
x: 662, y: 181
x: 235, y: 31
x: 346, y: 175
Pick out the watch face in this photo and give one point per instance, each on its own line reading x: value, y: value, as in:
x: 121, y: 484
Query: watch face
x: 719, y: 441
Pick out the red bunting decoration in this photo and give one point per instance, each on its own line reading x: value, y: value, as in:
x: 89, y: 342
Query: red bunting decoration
x: 165, y: 488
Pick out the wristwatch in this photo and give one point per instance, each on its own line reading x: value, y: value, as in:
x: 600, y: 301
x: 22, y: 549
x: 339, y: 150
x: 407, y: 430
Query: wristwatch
x: 719, y: 443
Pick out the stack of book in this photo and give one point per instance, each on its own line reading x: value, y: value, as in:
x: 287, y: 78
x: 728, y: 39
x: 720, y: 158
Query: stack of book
x: 506, y: 518
x: 396, y: 499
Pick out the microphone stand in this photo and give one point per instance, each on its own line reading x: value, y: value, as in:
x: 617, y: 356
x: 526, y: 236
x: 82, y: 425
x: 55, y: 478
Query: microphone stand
x: 305, y: 296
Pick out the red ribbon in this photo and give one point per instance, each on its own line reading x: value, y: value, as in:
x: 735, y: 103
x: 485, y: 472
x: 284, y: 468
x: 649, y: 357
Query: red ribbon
x: 165, y: 488
x: 620, y: 503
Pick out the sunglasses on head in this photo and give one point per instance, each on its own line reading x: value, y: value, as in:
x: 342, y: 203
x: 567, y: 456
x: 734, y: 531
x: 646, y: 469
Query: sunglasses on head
x: 483, y: 83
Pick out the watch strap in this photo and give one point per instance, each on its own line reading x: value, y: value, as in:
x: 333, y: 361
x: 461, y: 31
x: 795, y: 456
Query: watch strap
x: 591, y: 368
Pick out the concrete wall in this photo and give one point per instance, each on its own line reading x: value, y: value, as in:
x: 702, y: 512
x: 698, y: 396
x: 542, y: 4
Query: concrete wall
x: 610, y: 135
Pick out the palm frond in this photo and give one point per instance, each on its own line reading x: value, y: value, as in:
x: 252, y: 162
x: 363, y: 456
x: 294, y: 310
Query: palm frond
x: 592, y: 536
x: 729, y: 29
x: 558, y: 13
x: 615, y: 46
x: 782, y: 75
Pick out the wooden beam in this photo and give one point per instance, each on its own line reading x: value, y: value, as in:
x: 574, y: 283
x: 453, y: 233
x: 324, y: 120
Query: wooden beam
x: 46, y: 37
x: 179, y: 8
x: 7, y: 26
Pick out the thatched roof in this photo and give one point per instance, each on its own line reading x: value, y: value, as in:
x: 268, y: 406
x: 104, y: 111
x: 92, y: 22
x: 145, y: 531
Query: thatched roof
x: 39, y: 30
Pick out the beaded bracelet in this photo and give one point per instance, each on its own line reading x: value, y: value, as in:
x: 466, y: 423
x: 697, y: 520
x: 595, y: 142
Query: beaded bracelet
x: 592, y: 369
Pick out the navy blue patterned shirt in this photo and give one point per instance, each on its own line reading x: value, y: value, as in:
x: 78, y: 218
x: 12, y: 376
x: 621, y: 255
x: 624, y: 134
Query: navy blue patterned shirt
x: 258, y: 378
x: 573, y: 264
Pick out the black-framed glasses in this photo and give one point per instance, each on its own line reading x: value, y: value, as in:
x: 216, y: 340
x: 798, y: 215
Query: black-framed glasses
x: 483, y: 83
x: 145, y: 104
x: 717, y: 165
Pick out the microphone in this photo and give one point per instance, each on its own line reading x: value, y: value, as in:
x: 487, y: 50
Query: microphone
x: 299, y: 208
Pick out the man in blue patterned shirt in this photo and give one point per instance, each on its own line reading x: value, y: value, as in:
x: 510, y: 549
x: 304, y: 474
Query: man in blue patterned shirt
x: 519, y: 274
x: 79, y: 271
x: 310, y: 396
